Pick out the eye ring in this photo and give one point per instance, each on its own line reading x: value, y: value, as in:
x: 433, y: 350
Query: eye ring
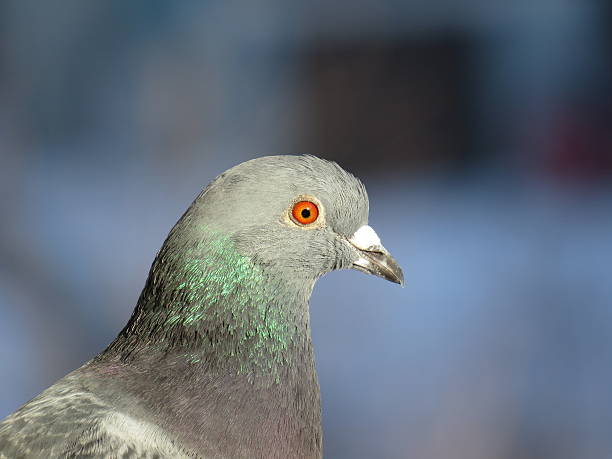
x: 305, y: 212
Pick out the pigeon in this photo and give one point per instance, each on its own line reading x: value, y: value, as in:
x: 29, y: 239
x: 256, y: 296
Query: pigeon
x: 217, y: 360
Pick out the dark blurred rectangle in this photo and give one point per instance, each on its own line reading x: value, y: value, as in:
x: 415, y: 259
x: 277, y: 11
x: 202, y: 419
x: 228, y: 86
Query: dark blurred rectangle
x: 372, y: 103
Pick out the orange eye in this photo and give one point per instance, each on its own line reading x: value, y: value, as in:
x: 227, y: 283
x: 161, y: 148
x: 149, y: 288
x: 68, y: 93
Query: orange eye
x: 305, y: 212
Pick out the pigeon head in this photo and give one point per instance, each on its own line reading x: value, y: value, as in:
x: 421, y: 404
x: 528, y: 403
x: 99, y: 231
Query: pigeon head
x: 231, y: 282
x: 296, y: 216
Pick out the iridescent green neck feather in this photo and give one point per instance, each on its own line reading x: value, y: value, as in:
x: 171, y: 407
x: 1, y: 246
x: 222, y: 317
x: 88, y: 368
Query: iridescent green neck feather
x: 207, y: 304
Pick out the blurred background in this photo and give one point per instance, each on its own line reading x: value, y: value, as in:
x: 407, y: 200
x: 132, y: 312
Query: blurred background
x: 482, y: 130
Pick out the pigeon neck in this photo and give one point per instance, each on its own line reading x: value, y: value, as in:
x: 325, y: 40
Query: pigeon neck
x: 208, y: 305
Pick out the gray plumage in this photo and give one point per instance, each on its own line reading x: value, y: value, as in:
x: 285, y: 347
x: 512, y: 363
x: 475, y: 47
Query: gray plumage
x: 216, y: 360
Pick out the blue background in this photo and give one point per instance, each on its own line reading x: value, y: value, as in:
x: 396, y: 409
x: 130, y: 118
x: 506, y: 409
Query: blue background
x: 482, y: 131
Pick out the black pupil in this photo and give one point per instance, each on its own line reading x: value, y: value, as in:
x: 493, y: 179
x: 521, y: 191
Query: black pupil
x: 305, y: 212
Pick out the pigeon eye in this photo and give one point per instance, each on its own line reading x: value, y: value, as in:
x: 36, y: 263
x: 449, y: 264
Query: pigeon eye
x: 305, y: 212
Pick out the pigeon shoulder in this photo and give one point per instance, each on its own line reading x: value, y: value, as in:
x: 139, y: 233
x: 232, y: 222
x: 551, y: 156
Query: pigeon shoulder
x: 119, y: 435
x: 70, y: 420
x: 49, y: 421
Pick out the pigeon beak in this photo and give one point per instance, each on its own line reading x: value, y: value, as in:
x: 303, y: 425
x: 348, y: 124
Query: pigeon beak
x: 373, y: 257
